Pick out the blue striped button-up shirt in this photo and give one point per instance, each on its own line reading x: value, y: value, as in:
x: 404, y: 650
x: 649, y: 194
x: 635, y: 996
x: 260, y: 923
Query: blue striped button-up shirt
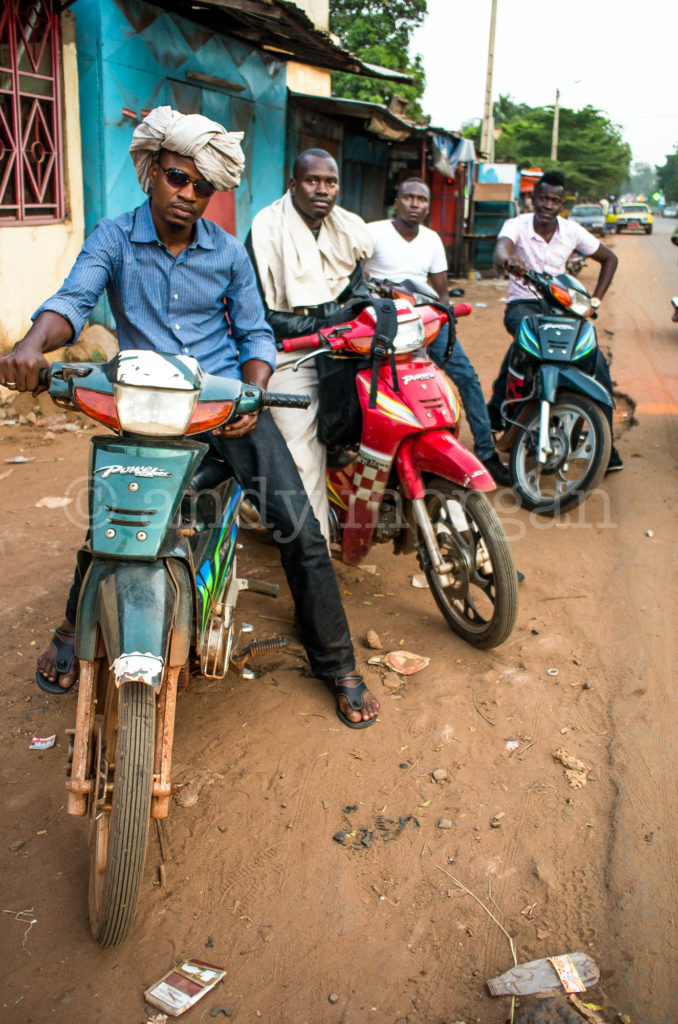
x: 167, y: 303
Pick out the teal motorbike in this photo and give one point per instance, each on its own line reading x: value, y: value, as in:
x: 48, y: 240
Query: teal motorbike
x: 158, y: 597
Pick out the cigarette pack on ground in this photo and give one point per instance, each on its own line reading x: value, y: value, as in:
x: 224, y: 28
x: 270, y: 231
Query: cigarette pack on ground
x: 42, y: 742
x: 182, y: 987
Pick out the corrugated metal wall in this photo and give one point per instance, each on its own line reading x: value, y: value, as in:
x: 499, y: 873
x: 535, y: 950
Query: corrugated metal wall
x: 133, y: 56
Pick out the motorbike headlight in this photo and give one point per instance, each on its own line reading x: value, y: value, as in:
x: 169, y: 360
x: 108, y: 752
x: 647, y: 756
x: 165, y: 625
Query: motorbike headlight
x: 156, y: 394
x: 580, y: 304
x: 154, y: 412
x: 410, y: 336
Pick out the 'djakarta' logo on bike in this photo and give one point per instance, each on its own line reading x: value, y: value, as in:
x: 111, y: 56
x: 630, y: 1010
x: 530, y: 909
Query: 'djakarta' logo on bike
x: 147, y: 472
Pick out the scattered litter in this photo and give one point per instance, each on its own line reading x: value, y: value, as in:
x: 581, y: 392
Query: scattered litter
x: 376, y: 659
x: 368, y: 568
x: 155, y: 1018
x: 52, y: 502
x: 21, y: 458
x: 23, y: 917
x: 649, y: 533
x: 405, y: 662
x: 221, y: 1009
x: 333, y: 997
x: 574, y: 972
x: 372, y: 640
x: 16, y: 846
x: 3, y: 476
x: 385, y: 829
x: 444, y: 823
x: 439, y: 775
x: 457, y: 292
x: 512, y: 744
x: 183, y: 985
x: 42, y: 742
x: 419, y: 581
x: 502, y: 299
x: 552, y: 671
x: 576, y: 772
x: 480, y: 305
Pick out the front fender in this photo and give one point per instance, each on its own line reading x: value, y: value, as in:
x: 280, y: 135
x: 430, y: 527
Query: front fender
x: 551, y: 378
x: 143, y: 611
x: 440, y: 453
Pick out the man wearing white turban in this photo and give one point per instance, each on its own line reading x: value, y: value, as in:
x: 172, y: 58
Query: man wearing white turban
x: 178, y: 283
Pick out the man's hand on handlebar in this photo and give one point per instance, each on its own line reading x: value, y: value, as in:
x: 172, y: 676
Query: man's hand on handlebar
x: 19, y: 369
x: 238, y: 427
x: 514, y: 267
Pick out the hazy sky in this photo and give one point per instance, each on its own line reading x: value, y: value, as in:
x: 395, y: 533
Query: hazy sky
x: 595, y: 51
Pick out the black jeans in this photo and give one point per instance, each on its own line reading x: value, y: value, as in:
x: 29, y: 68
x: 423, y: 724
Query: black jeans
x: 515, y: 312
x: 264, y: 468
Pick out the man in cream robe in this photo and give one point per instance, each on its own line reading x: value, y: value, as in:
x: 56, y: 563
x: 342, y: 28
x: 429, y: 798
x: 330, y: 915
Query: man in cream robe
x: 307, y: 253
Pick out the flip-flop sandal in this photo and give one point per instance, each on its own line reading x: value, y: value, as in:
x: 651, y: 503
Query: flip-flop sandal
x: 355, y: 696
x: 65, y: 656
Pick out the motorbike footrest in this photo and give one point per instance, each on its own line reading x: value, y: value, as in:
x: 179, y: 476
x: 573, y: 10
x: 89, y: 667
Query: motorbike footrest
x: 260, y: 587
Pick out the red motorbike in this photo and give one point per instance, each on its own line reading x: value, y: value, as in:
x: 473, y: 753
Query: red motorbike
x: 407, y: 478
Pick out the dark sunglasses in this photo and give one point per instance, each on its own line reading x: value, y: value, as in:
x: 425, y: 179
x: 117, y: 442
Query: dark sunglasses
x: 179, y: 179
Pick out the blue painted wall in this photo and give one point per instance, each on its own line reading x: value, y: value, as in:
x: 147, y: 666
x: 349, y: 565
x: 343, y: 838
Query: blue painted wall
x: 135, y: 55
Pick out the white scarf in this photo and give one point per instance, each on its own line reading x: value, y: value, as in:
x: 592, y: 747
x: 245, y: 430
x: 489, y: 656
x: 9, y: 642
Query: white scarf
x: 295, y: 269
x: 216, y: 153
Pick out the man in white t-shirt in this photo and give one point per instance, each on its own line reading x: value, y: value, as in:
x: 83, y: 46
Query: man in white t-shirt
x: 543, y: 241
x: 404, y: 249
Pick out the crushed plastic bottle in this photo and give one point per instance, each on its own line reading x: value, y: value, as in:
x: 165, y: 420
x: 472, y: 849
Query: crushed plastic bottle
x: 573, y: 972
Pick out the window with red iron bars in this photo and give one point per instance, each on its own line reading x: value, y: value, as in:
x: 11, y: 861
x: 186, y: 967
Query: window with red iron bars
x: 31, y: 174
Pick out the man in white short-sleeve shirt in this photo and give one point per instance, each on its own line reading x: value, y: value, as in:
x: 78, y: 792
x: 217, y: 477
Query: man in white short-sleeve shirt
x: 404, y: 249
x: 543, y: 241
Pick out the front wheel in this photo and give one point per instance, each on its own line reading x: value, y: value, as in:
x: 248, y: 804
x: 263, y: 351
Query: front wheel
x: 121, y: 807
x: 580, y: 440
x: 478, y: 596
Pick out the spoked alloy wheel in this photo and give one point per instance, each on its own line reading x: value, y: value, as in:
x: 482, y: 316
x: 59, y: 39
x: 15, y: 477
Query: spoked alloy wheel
x: 580, y: 438
x: 479, y: 596
x: 120, y: 807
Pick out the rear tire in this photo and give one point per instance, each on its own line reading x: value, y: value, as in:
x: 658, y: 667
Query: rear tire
x: 481, y: 603
x: 120, y: 820
x: 580, y: 435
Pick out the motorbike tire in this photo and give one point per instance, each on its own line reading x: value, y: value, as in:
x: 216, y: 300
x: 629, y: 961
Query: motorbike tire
x: 482, y: 604
x: 120, y: 833
x: 528, y: 479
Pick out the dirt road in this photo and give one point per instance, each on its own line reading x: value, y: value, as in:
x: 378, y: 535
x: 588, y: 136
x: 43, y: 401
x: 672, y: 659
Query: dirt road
x: 255, y: 881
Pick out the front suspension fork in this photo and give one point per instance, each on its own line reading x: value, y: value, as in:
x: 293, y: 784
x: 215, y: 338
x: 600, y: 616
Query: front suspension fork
x: 544, y: 444
x: 423, y: 521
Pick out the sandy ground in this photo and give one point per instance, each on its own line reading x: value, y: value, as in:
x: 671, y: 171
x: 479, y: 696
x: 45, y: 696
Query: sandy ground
x: 255, y: 882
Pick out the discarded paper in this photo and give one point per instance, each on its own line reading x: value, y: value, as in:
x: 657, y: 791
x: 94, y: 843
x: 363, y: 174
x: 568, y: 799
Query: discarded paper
x: 42, y: 742
x: 576, y: 772
x: 53, y: 502
x: 183, y: 986
x: 405, y: 662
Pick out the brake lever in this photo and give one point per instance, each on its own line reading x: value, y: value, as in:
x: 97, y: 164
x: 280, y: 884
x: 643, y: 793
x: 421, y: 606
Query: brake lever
x: 310, y: 355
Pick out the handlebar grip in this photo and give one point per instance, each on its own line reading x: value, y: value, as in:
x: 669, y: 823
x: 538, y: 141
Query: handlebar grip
x: 44, y: 378
x: 304, y: 341
x: 463, y: 309
x: 281, y: 401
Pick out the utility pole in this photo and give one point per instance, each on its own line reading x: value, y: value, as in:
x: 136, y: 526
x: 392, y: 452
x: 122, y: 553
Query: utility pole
x: 487, y: 131
x: 556, y: 120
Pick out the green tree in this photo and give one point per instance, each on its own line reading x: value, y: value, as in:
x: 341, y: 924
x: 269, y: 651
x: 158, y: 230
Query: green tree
x: 667, y: 177
x: 642, y: 180
x: 379, y: 33
x: 591, y: 151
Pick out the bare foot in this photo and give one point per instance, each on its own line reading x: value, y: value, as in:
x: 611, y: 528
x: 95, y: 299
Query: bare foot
x: 370, y: 704
x: 47, y: 658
